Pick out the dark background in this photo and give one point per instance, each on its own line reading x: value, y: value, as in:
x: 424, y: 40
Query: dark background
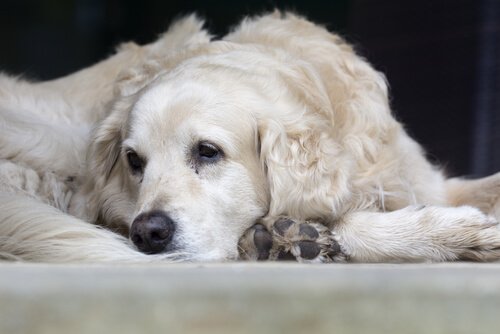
x: 441, y: 57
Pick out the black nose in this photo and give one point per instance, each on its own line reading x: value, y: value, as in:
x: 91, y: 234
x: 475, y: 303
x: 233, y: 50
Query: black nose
x: 152, y: 231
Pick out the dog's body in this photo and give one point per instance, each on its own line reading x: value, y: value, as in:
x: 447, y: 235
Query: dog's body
x: 198, y: 140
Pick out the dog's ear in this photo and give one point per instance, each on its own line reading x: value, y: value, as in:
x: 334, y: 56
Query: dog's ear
x: 342, y: 123
x: 105, y: 147
x: 308, y: 173
x: 104, y: 150
x: 104, y: 178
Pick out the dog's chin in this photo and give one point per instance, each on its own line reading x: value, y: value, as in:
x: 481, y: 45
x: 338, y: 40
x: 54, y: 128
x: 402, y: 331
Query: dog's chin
x: 214, y: 256
x: 182, y: 256
x: 197, y: 253
x: 193, y: 254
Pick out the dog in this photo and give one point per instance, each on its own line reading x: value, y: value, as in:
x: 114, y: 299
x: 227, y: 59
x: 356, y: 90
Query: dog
x: 274, y: 142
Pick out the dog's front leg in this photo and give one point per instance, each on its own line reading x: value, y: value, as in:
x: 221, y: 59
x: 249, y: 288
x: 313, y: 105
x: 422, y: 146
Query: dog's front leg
x: 419, y: 234
x: 412, y: 234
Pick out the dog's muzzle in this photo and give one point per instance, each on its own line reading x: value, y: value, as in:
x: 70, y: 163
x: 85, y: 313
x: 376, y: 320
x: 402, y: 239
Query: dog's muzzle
x: 152, y: 231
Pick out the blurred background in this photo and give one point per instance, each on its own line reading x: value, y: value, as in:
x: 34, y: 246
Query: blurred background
x: 441, y: 57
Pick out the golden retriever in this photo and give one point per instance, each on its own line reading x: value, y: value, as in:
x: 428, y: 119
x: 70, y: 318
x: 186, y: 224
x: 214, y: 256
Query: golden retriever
x: 276, y: 141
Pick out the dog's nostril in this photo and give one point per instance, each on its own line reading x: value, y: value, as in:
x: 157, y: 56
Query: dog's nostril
x: 158, y: 236
x: 163, y: 232
x: 136, y: 239
x: 151, y: 232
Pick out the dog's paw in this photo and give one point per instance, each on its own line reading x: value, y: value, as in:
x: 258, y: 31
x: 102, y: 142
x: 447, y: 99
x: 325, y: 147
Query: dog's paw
x: 305, y: 242
x: 291, y: 240
x: 255, y: 244
x: 480, y: 239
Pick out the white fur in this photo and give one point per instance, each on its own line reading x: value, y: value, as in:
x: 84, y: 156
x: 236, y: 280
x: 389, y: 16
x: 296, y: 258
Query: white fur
x: 419, y: 233
x: 305, y: 127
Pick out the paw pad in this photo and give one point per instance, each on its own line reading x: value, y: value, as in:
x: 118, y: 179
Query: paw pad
x: 290, y: 241
x: 263, y: 242
x: 308, y: 231
x: 306, y: 242
x: 282, y: 225
x: 308, y: 250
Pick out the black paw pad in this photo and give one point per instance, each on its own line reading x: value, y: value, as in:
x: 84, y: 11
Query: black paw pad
x: 286, y: 256
x: 263, y: 242
x: 308, y: 231
x: 334, y: 249
x: 309, y: 249
x: 282, y: 225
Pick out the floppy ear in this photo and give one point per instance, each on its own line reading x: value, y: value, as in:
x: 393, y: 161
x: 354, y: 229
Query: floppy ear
x: 308, y: 172
x: 105, y: 184
x: 342, y: 123
x: 105, y: 148
x: 103, y: 162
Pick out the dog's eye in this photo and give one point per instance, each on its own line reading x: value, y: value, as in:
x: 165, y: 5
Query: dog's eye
x: 135, y: 162
x: 208, y: 152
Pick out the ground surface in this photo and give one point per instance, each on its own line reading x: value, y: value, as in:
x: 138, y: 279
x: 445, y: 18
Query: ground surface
x: 250, y: 298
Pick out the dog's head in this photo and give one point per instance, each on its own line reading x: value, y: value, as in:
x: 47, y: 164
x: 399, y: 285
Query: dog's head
x: 200, y: 146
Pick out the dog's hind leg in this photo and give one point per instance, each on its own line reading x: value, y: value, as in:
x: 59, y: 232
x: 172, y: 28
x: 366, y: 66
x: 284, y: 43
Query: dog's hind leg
x: 482, y: 193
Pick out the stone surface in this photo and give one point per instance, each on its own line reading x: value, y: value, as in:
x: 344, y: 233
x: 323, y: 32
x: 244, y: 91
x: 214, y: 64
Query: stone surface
x: 250, y: 298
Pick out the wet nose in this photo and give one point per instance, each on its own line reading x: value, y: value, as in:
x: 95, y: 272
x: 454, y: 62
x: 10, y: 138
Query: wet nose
x: 152, y: 231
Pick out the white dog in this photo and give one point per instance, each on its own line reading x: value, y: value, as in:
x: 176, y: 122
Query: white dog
x: 280, y: 123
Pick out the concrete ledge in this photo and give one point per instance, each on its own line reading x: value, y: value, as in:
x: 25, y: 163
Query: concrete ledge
x: 250, y: 298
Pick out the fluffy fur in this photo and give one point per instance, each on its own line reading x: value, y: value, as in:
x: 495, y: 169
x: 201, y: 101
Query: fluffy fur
x: 305, y: 128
